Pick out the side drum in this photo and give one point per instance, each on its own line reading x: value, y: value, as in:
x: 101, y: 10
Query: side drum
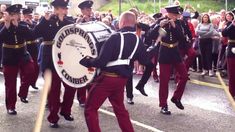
x: 72, y: 43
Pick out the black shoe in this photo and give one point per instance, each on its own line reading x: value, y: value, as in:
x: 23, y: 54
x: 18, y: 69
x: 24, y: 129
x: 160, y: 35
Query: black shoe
x: 54, y: 125
x: 130, y: 101
x: 11, y: 112
x: 177, y: 103
x: 34, y: 87
x: 46, y: 106
x: 141, y: 89
x: 67, y: 117
x: 24, y: 100
x: 165, y: 111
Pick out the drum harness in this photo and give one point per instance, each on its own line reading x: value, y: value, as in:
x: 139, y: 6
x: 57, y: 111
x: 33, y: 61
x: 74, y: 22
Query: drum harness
x: 121, y: 61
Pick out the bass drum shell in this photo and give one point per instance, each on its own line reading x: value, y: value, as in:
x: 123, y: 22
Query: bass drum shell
x: 74, y: 42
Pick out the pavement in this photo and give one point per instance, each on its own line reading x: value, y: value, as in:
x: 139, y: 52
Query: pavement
x: 207, y: 108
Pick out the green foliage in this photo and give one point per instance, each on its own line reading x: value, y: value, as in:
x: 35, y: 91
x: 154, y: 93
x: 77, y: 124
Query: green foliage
x: 148, y: 5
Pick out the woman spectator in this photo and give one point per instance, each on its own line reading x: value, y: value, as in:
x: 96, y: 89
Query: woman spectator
x: 222, y: 63
x: 197, y: 64
x: 205, y: 32
x: 215, y: 41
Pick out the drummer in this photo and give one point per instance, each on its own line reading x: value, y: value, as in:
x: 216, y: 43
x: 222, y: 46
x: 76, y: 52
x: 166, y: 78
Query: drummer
x: 114, y: 61
x: 86, y: 11
x: 47, y: 29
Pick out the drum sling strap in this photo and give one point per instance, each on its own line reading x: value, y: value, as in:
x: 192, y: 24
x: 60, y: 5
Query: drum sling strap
x: 121, y: 61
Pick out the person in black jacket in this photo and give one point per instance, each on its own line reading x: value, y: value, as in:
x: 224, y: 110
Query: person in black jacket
x: 15, y: 57
x: 168, y: 56
x: 47, y: 29
x: 114, y: 60
x: 32, y: 45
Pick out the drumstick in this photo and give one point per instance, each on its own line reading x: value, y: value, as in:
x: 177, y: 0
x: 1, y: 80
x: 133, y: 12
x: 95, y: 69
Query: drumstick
x: 46, y: 88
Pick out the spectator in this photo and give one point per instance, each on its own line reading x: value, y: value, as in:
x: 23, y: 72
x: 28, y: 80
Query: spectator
x: 197, y: 64
x: 3, y: 8
x: 191, y: 9
x: 222, y: 63
x: 205, y: 32
x: 215, y: 41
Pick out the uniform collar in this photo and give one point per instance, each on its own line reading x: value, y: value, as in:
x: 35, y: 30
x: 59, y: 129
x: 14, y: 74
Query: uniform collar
x: 128, y: 29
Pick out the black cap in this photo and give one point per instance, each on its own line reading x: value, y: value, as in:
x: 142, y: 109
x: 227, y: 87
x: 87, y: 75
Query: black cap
x: 85, y: 4
x: 27, y: 11
x: 60, y: 3
x: 14, y: 8
x: 233, y: 11
x: 176, y: 9
x: 157, y: 15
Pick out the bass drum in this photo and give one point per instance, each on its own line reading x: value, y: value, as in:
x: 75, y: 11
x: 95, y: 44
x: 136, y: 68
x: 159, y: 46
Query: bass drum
x: 72, y: 43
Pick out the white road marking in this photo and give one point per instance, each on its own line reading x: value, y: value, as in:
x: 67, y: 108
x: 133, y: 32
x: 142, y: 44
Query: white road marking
x: 137, y: 123
x: 133, y: 122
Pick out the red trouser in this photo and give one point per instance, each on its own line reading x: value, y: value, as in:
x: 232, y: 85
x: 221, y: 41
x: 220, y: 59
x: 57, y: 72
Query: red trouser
x: 155, y: 61
x: 165, y: 72
x: 81, y: 94
x: 54, y: 99
x: 191, y: 54
x: 36, y: 71
x: 10, y: 76
x: 112, y: 88
x: 34, y: 76
x: 231, y: 75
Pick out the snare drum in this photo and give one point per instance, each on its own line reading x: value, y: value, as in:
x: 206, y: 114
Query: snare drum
x: 72, y: 43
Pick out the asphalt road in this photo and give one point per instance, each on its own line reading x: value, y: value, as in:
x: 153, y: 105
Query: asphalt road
x: 207, y: 109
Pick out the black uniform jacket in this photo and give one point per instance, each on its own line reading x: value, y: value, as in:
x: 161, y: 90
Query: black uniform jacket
x: 174, y: 35
x: 229, y: 32
x: 47, y: 30
x: 14, y: 36
x: 184, y: 44
x: 110, y: 51
x: 32, y: 47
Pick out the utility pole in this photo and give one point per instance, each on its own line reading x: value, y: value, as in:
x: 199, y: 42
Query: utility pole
x: 154, y: 6
x: 226, y: 5
x: 120, y: 7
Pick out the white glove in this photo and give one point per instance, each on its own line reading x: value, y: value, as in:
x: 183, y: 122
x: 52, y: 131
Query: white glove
x: 233, y: 50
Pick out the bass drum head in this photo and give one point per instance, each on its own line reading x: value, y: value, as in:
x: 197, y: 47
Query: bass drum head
x: 71, y: 45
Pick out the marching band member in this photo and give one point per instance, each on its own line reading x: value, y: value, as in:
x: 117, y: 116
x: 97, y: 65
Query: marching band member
x: 229, y: 31
x: 47, y: 29
x: 15, y: 57
x: 116, y: 54
x: 86, y: 11
x: 169, y: 55
x: 32, y: 45
x: 85, y: 7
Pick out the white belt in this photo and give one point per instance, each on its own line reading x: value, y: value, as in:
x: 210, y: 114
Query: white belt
x: 118, y: 62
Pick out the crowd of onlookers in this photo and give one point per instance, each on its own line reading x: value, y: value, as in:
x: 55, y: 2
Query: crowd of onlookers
x: 207, y: 39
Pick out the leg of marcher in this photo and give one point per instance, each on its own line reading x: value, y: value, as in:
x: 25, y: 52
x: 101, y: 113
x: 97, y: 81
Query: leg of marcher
x: 231, y: 75
x: 116, y: 99
x: 181, y: 69
x: 67, y: 103
x: 10, y: 76
x: 54, y: 99
x: 26, y: 71
x: 96, y: 97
